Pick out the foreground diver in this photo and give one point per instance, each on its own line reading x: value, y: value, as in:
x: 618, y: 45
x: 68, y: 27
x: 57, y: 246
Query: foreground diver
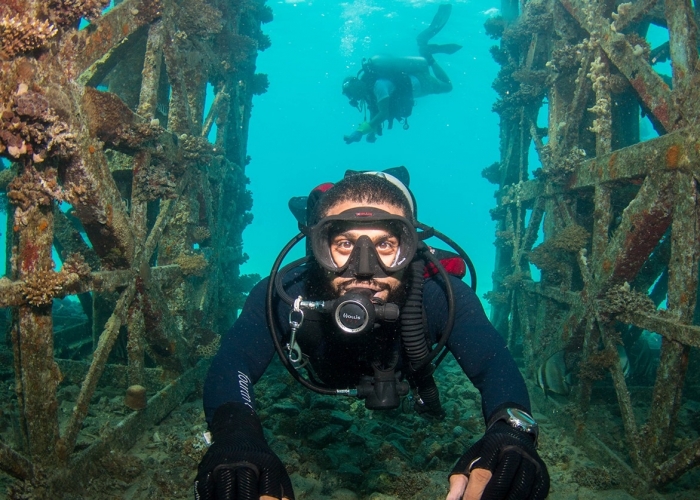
x: 387, y: 86
x: 353, y: 315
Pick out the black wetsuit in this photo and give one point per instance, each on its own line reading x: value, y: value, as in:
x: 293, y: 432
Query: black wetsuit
x: 247, y: 349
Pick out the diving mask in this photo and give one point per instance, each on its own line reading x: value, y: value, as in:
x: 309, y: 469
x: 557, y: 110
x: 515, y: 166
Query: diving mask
x: 362, y: 257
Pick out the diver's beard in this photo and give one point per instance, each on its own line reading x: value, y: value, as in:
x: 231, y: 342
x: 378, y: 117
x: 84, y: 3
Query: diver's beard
x: 321, y: 286
x: 374, y: 285
x: 395, y: 295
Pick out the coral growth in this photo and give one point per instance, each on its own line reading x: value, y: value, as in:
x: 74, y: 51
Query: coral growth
x: 555, y: 255
x: 571, y: 239
x: 640, y: 46
x: 195, y: 149
x: 155, y: 182
x: 621, y: 17
x: 192, y: 265
x: 504, y: 239
x: 198, y: 18
x: 67, y: 12
x: 566, y: 59
x: 200, y: 234
x: 497, y: 298
x: 515, y: 280
x: 622, y: 299
x: 22, y: 34
x: 32, y: 129
x: 494, y: 27
x: 558, y: 169
x: 599, y: 77
x: 42, y: 286
x: 492, y: 173
x: 31, y: 189
x: 500, y: 56
x: 76, y: 264
x: 259, y: 83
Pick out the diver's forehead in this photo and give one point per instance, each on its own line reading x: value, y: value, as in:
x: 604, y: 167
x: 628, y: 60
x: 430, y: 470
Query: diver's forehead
x: 342, y: 206
x: 372, y: 231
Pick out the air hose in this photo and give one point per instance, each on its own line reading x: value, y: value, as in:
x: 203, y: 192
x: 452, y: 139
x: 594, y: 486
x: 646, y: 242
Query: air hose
x: 416, y: 346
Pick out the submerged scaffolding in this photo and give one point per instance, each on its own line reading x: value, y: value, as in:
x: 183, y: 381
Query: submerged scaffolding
x: 617, y: 220
x: 120, y: 163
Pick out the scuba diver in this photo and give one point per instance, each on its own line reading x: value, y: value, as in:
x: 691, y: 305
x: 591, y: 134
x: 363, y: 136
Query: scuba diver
x: 368, y: 313
x: 387, y: 86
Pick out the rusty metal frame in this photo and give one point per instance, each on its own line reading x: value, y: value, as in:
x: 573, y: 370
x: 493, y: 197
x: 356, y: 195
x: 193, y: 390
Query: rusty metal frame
x: 125, y: 100
x: 637, y: 202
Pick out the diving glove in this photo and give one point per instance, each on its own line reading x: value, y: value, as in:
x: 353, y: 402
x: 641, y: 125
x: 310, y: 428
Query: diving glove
x: 365, y: 128
x: 239, y: 464
x: 509, y: 454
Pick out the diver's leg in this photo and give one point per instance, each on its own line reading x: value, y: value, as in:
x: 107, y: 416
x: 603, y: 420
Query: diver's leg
x: 440, y: 83
x: 438, y: 22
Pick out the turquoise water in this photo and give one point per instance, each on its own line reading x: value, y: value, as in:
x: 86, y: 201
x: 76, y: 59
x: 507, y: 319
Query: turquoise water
x: 297, y: 127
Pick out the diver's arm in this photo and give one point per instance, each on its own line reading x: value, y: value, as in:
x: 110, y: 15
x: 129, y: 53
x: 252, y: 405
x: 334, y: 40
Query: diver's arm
x: 239, y: 459
x: 477, y: 346
x: 373, y: 127
x: 244, y: 353
x: 505, y: 459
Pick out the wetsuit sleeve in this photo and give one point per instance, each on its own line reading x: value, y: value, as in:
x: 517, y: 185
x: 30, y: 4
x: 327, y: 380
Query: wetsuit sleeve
x: 244, y: 354
x: 477, y: 346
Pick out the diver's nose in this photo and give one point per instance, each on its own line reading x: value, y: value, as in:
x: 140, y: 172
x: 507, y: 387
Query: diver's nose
x: 364, y: 260
x: 364, y: 268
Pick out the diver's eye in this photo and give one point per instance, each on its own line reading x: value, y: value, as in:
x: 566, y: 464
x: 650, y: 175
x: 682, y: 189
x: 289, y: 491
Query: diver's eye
x: 385, y: 246
x: 343, y: 246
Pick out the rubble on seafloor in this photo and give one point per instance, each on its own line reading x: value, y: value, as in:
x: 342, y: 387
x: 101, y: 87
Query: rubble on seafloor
x: 333, y: 447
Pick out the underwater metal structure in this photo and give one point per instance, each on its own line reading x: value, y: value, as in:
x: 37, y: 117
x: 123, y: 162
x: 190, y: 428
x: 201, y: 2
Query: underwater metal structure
x: 617, y: 219
x: 115, y: 165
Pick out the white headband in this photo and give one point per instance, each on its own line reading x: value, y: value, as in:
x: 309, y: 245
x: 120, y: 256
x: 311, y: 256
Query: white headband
x: 396, y: 182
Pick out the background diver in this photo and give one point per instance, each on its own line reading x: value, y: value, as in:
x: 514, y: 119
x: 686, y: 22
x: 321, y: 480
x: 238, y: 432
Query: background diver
x: 365, y: 314
x: 387, y: 86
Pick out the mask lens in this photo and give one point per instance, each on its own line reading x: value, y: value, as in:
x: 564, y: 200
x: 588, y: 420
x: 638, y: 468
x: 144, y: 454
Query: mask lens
x: 389, y: 240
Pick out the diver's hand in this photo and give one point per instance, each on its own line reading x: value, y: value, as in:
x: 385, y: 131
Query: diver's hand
x: 365, y: 128
x: 239, y: 464
x: 356, y: 136
x: 502, y: 464
x: 371, y: 137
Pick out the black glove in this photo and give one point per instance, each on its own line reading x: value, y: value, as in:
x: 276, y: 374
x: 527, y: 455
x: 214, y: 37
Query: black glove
x: 239, y: 464
x: 510, y: 455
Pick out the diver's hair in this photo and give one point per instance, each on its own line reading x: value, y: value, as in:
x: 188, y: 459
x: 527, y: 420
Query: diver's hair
x: 363, y: 189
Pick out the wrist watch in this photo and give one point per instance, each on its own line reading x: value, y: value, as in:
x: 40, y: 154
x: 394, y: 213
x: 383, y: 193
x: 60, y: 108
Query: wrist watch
x: 518, y: 419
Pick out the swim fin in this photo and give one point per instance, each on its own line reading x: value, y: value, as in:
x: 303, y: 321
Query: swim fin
x: 445, y: 48
x: 438, y: 22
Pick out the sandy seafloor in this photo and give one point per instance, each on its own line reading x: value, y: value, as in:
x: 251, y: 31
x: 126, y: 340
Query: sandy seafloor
x: 336, y: 449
